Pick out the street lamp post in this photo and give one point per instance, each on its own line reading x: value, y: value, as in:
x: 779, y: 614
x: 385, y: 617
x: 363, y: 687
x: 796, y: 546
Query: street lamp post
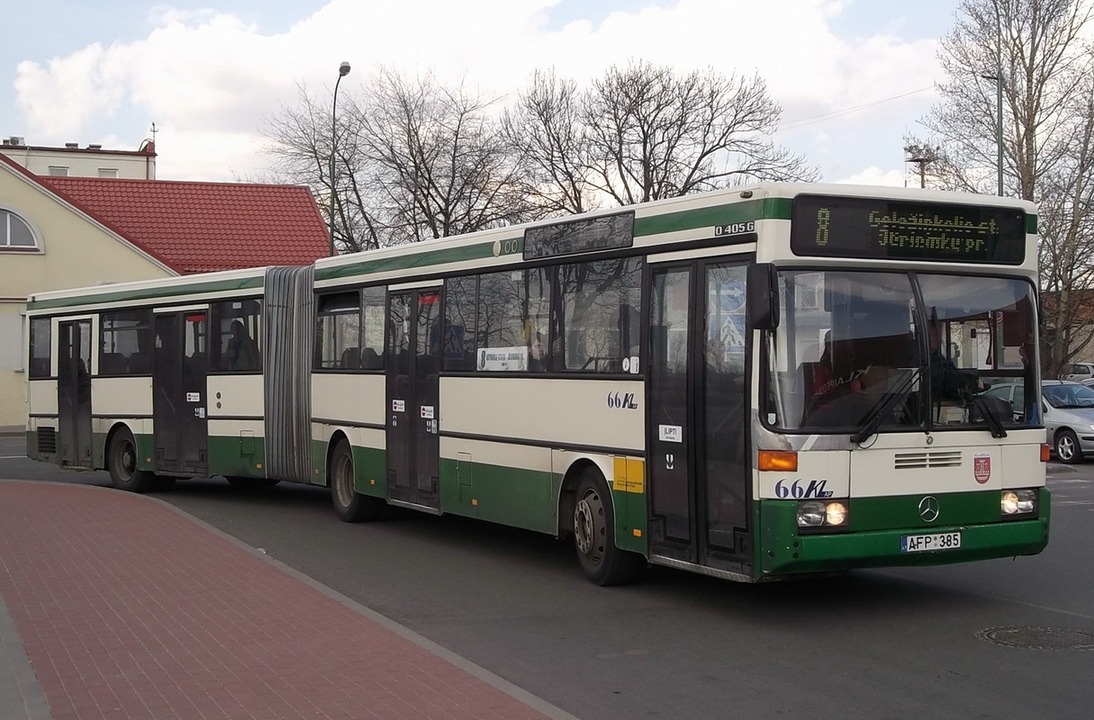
x: 998, y: 97
x: 343, y: 70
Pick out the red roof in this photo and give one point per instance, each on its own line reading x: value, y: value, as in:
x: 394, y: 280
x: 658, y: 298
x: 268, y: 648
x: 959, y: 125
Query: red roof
x: 197, y: 227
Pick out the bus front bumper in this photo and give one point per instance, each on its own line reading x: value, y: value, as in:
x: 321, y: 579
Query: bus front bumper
x: 800, y: 554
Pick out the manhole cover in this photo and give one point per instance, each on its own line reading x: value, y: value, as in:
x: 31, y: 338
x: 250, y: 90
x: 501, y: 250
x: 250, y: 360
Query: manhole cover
x: 1038, y: 638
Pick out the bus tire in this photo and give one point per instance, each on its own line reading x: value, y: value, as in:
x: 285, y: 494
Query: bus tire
x: 350, y: 505
x: 594, y: 535
x: 123, y: 465
x: 1067, y: 447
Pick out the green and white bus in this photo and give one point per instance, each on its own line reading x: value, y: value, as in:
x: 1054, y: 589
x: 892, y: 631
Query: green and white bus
x: 754, y: 383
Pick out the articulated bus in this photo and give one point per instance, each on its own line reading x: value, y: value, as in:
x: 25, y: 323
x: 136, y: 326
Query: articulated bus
x: 755, y: 383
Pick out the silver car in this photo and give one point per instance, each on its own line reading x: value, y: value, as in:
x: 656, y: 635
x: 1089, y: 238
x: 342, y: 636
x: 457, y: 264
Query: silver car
x: 1068, y: 414
x: 1077, y: 371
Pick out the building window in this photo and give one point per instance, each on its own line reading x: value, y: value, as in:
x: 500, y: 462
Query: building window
x: 15, y: 234
x: 58, y: 170
x: 108, y: 172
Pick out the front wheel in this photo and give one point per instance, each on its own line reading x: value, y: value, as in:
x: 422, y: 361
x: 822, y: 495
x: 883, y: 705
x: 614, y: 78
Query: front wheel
x: 594, y: 535
x: 123, y: 465
x: 350, y: 505
x: 1067, y: 447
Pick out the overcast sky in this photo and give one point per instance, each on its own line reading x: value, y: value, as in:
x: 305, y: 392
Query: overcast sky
x: 853, y: 76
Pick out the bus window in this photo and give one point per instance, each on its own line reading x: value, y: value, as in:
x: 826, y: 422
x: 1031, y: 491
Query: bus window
x: 126, y: 347
x: 374, y: 319
x: 338, y: 331
x: 512, y: 305
x: 40, y: 339
x: 236, y: 345
x: 459, y: 322
x: 596, y: 328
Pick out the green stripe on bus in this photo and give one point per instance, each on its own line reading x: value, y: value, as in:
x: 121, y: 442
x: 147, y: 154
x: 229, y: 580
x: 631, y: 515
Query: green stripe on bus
x: 504, y: 495
x: 763, y: 209
x: 150, y: 293
x: 424, y: 259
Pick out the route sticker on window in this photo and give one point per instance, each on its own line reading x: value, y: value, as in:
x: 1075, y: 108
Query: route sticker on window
x: 670, y: 433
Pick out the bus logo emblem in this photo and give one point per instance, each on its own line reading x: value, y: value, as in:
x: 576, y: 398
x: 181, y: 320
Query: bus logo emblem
x: 928, y: 508
x: 981, y: 467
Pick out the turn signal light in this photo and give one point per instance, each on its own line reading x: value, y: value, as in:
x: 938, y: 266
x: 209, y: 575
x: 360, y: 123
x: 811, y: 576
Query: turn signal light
x: 1046, y: 452
x: 777, y: 460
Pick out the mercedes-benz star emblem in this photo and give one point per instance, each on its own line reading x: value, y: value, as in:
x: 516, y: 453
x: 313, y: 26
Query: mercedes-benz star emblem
x: 928, y: 508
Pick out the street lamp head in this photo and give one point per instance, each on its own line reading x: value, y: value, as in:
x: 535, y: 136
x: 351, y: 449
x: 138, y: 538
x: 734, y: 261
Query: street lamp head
x: 343, y: 69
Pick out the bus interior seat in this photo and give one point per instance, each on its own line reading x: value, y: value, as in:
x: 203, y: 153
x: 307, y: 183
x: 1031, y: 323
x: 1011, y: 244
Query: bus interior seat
x: 351, y: 358
x: 370, y: 360
x: 113, y: 363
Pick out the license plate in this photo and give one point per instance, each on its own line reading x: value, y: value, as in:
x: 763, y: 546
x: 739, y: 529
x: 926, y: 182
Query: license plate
x: 938, y: 541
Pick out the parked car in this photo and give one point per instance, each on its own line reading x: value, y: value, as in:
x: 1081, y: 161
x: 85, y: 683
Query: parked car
x: 1068, y: 414
x: 1077, y: 371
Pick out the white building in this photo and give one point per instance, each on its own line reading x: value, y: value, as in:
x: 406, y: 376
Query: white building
x: 75, y: 161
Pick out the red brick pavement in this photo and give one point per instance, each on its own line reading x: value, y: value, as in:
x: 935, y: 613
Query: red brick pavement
x: 127, y: 608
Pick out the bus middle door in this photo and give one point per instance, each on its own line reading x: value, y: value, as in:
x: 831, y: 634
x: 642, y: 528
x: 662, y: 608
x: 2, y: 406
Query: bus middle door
x: 413, y: 394
x: 74, y: 393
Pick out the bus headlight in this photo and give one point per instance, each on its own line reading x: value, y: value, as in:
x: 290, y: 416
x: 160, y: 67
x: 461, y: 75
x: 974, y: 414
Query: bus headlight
x: 1018, y: 502
x: 822, y: 514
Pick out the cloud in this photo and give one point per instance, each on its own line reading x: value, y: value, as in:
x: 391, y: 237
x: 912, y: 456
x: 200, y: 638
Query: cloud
x: 877, y: 176
x: 208, y: 79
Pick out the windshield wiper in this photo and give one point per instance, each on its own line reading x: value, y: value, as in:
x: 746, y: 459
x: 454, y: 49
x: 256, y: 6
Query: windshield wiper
x: 887, y: 403
x: 994, y: 423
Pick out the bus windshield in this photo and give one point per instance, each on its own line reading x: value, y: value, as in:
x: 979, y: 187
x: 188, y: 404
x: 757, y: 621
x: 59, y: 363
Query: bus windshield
x: 901, y: 351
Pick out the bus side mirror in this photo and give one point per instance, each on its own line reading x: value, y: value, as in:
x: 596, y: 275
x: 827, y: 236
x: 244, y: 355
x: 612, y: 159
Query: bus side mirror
x: 762, y: 297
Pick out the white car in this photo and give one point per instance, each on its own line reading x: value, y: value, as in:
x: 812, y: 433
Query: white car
x: 1077, y: 371
x: 1067, y: 410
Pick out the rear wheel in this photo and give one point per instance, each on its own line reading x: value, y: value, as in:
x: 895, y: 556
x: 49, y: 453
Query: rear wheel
x: 350, y: 505
x: 594, y: 535
x: 1067, y: 447
x: 123, y: 461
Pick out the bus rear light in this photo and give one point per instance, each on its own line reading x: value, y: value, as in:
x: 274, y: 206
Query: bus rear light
x: 822, y: 514
x: 1018, y: 502
x: 777, y: 460
x: 1046, y: 452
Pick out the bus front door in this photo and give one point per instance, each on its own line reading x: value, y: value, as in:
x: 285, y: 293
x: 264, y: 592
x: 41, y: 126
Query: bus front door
x: 178, y: 393
x: 74, y: 393
x: 698, y: 416
x: 413, y: 393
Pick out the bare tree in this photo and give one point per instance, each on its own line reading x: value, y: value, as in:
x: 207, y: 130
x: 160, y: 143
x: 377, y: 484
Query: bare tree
x: 302, y: 141
x: 440, y: 160
x: 545, y: 127
x: 1030, y: 53
x: 657, y: 135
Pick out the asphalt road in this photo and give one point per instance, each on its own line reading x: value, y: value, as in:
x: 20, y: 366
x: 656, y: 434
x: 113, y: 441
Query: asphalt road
x: 947, y: 642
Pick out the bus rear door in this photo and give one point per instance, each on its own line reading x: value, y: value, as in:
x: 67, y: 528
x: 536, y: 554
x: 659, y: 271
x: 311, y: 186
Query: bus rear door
x: 178, y: 393
x: 413, y: 394
x: 74, y: 393
x: 698, y: 416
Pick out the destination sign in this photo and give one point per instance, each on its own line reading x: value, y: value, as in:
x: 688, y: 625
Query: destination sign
x: 605, y: 232
x: 876, y: 228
